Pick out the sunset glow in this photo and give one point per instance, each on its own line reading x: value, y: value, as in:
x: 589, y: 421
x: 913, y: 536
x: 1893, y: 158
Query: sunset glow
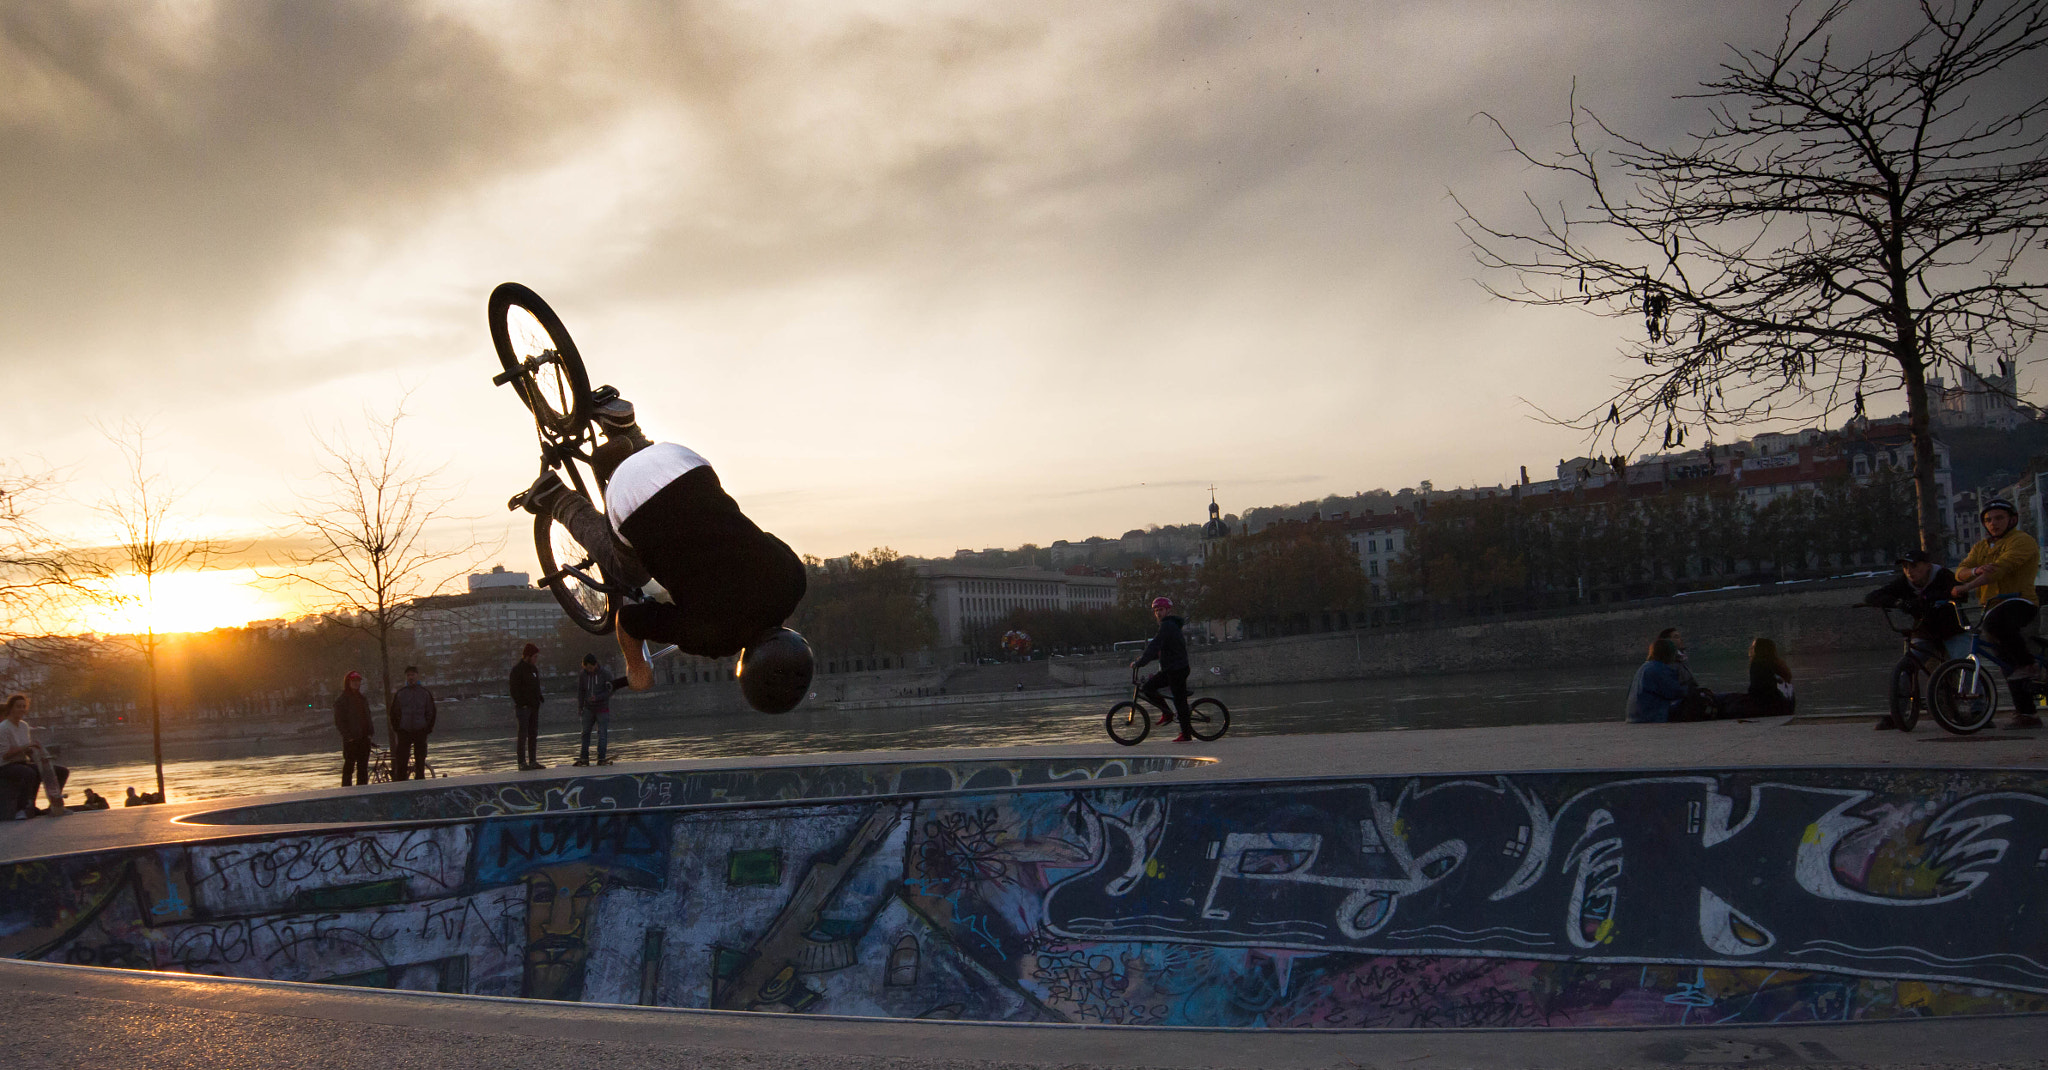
x: 185, y: 602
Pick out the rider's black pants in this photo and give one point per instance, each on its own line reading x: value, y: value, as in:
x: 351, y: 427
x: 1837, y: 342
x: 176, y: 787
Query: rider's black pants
x: 2004, y: 628
x: 1176, y: 681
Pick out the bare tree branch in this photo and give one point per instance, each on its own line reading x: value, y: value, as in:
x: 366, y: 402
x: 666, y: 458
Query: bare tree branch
x: 364, y: 518
x: 1840, y: 225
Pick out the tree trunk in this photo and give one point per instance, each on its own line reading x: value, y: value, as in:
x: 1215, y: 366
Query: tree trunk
x: 156, y: 720
x: 1919, y: 424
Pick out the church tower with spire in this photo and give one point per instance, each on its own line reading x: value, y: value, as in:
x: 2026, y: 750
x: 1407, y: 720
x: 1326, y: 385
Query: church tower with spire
x: 1215, y: 531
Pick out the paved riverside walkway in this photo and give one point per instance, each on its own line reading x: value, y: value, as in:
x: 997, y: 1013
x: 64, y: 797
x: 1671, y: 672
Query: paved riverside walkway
x: 78, y: 1017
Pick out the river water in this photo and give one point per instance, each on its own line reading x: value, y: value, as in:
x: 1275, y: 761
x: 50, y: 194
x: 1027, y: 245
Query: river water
x: 1833, y: 684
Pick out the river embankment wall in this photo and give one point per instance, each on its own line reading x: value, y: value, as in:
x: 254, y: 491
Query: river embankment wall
x: 1807, y: 618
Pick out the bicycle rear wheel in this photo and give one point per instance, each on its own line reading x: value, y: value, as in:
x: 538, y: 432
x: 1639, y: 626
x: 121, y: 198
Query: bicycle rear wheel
x: 1128, y: 723
x: 1208, y: 719
x: 1905, y: 694
x: 1963, y: 696
x: 559, y: 552
x: 540, y: 360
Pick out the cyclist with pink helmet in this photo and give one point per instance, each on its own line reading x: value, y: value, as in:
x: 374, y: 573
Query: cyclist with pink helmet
x: 1170, y: 649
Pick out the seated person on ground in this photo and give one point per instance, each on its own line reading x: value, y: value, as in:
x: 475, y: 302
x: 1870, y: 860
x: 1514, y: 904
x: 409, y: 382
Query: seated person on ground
x: 1659, y: 685
x: 666, y: 517
x: 20, y: 779
x: 1770, y: 685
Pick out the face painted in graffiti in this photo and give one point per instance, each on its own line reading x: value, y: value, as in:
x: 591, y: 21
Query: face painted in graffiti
x: 558, y: 902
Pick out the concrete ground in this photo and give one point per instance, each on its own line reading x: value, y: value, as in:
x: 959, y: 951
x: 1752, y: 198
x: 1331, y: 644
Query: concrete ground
x: 61, y: 1016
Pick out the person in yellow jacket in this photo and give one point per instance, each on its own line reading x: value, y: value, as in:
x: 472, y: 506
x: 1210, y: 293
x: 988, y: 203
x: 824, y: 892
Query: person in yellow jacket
x: 2001, y: 569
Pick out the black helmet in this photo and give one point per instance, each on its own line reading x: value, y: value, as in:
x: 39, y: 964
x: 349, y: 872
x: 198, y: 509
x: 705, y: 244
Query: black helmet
x: 2000, y: 503
x: 775, y: 671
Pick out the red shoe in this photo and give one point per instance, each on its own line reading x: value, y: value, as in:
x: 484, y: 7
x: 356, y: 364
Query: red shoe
x: 1184, y: 738
x: 1165, y: 719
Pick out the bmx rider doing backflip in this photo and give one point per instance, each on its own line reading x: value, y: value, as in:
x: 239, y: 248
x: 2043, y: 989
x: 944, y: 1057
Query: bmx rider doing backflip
x: 667, y: 518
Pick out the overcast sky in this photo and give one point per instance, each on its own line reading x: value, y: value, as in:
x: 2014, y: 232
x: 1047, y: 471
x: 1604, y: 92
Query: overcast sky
x: 918, y: 275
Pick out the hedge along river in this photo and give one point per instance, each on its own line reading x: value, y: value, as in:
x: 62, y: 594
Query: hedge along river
x: 1834, y: 684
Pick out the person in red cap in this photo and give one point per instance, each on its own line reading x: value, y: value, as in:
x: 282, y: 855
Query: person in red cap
x: 358, y: 733
x: 1170, y: 649
x: 526, y: 699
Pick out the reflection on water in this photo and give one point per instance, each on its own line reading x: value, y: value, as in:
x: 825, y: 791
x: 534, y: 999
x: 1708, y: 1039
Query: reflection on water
x: 1847, y: 683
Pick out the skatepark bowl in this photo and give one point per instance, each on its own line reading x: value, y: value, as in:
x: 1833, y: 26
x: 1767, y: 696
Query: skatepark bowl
x: 1095, y: 891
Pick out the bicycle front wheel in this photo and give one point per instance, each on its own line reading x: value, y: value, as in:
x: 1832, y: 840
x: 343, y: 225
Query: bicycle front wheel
x: 559, y: 552
x: 1208, y: 719
x: 1128, y: 723
x: 1963, y: 696
x: 1905, y: 694
x: 540, y: 360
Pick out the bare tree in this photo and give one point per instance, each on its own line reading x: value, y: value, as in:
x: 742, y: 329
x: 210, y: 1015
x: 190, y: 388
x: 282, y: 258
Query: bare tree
x: 1843, y: 223
x: 364, y: 524
x: 149, y: 546
x: 42, y: 581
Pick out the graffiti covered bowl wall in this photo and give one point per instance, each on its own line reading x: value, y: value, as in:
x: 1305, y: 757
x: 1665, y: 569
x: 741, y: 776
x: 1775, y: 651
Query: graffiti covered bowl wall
x: 1515, y: 900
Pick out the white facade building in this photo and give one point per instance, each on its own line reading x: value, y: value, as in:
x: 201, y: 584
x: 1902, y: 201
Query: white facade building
x: 965, y: 598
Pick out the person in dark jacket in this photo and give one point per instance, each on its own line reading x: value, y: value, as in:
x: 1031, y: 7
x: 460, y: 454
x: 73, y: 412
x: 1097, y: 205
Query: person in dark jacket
x: 594, y: 702
x: 730, y: 584
x: 526, y: 699
x: 412, y: 720
x: 1170, y: 649
x: 1770, y: 685
x: 358, y: 733
x: 1924, y: 590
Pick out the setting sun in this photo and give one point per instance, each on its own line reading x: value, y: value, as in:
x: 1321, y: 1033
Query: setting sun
x: 185, y: 602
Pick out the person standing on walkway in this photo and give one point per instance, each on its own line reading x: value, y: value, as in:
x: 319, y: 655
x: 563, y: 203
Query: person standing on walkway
x: 594, y: 702
x: 526, y: 699
x: 412, y: 719
x: 358, y: 732
x: 1170, y: 649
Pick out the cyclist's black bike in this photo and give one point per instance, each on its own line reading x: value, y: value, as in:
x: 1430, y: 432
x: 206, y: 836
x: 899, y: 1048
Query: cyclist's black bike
x: 1129, y: 722
x: 1907, y: 688
x: 541, y: 364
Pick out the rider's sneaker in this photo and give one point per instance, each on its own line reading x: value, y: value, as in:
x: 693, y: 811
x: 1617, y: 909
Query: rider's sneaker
x: 1165, y: 719
x: 1886, y: 723
x: 1184, y: 738
x: 540, y: 498
x: 580, y: 761
x: 2024, y: 720
x: 604, y: 761
x: 617, y: 412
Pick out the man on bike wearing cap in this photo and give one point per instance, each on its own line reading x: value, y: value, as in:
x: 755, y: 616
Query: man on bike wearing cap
x: 666, y: 517
x: 2001, y: 569
x: 1170, y: 649
x: 1922, y: 589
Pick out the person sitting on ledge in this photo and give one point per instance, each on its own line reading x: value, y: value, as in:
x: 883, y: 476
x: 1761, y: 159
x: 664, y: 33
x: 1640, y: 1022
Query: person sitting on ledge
x: 20, y: 756
x: 666, y: 517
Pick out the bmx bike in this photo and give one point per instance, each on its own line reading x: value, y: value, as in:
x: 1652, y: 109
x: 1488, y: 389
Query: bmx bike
x: 1907, y: 690
x: 1963, y: 693
x: 542, y: 366
x: 1129, y: 722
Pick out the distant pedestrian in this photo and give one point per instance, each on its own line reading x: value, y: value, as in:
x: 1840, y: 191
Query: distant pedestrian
x: 594, y: 702
x: 358, y: 732
x: 1659, y: 686
x: 412, y: 720
x: 526, y: 699
x: 21, y: 762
